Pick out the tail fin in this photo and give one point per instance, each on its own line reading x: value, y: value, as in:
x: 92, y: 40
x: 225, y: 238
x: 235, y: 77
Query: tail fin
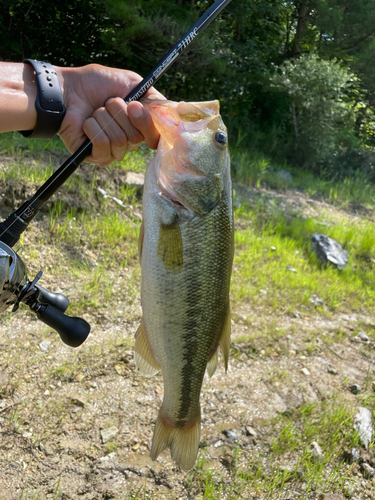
x: 182, y: 441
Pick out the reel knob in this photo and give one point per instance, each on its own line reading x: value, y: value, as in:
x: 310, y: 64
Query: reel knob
x: 73, y: 331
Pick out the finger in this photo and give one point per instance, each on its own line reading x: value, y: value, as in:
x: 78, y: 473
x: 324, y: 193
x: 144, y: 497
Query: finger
x: 141, y: 119
x: 152, y: 93
x: 114, y: 132
x: 101, y: 146
x: 117, y: 108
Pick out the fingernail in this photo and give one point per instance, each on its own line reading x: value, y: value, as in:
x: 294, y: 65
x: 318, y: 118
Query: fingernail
x: 136, y: 111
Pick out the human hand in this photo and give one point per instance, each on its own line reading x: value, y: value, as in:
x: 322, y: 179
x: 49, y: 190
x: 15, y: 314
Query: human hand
x: 93, y: 97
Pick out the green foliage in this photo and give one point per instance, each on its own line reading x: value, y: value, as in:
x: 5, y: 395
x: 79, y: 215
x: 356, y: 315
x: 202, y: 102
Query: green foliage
x: 296, y: 77
x: 321, y: 117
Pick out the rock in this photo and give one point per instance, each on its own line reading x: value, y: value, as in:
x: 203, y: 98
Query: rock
x: 44, y: 346
x: 329, y: 250
x: 46, y: 450
x: 351, y: 456
x: 251, y: 432
x: 108, y: 434
x: 315, y: 300
x: 228, y: 462
x: 230, y: 435
x: 73, y: 400
x: 305, y: 371
x: 355, y: 389
x: 332, y: 370
x: 283, y: 176
x: 316, y: 451
x: 111, y: 457
x: 363, y: 425
x: 291, y: 269
x: 363, y: 336
x: 367, y: 470
x: 135, y: 180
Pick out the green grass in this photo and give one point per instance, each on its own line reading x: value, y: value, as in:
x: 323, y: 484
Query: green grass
x: 288, y: 462
x: 255, y: 169
x: 97, y: 249
x: 272, y: 240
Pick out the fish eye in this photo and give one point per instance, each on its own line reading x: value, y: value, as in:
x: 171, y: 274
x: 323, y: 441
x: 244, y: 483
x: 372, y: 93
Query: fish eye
x: 221, y: 139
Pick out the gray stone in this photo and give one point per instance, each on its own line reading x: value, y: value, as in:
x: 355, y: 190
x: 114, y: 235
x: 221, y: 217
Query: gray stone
x: 316, y: 451
x: 108, y: 434
x: 135, y: 180
x: 284, y: 176
x: 251, y: 432
x: 230, y: 435
x: 355, y: 389
x: 351, y: 456
x: 367, y: 470
x: 291, y: 269
x: 363, y: 336
x: 315, y: 300
x: 44, y: 346
x: 329, y: 250
x: 363, y: 425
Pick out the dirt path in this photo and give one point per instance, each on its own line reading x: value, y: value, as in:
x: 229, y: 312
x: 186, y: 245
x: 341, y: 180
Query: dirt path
x: 77, y: 424
x: 55, y: 403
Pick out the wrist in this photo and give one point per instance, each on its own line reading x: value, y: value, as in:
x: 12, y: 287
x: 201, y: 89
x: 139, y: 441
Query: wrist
x: 49, y: 103
x: 17, y: 97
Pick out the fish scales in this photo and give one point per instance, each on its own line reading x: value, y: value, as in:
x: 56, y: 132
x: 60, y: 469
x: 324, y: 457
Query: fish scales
x: 185, y: 300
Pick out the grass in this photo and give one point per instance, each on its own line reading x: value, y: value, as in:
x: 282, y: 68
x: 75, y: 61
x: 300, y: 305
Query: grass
x: 275, y: 241
x: 97, y: 253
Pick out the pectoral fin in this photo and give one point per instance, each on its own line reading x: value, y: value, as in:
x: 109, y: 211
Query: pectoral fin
x: 144, y: 358
x: 170, y: 247
x: 224, y: 342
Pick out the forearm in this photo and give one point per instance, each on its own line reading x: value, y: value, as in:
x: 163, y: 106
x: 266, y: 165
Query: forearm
x: 17, y: 97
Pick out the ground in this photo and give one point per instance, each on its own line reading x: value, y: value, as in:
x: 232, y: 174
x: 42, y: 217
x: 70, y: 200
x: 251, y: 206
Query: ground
x: 77, y: 423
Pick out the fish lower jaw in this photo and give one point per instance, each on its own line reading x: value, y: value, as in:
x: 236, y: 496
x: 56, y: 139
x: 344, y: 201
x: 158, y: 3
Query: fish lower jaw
x: 174, y: 202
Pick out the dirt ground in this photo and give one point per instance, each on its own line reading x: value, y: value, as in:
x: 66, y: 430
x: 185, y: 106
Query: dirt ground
x: 77, y: 424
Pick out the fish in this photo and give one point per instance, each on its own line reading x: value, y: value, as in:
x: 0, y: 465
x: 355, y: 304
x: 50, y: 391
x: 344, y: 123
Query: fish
x: 186, y: 247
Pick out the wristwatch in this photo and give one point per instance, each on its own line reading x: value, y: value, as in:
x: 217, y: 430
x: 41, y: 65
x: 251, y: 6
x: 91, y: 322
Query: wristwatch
x: 49, y: 102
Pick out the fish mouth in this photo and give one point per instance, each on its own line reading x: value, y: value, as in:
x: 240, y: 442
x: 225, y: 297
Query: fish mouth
x: 173, y: 200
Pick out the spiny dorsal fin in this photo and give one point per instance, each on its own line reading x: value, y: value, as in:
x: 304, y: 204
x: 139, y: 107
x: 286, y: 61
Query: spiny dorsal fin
x: 144, y: 358
x: 170, y: 247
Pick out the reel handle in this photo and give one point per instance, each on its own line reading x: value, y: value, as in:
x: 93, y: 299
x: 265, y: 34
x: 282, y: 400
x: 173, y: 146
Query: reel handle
x: 56, y: 300
x: 73, y: 331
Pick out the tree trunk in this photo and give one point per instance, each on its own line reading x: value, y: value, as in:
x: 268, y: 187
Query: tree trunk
x: 303, y: 12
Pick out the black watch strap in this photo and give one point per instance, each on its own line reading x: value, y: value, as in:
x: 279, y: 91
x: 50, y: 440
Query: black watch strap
x: 49, y: 102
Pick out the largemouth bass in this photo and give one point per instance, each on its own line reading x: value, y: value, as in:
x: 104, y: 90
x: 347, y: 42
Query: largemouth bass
x: 186, y: 254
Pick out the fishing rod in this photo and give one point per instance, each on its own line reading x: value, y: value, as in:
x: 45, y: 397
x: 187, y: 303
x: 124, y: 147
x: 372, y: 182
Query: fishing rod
x: 14, y: 284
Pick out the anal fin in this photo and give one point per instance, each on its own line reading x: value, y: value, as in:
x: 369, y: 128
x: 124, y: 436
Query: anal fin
x: 212, y: 363
x: 144, y: 358
x: 224, y: 341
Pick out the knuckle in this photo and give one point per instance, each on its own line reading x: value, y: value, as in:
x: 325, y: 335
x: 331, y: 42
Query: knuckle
x: 115, y: 104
